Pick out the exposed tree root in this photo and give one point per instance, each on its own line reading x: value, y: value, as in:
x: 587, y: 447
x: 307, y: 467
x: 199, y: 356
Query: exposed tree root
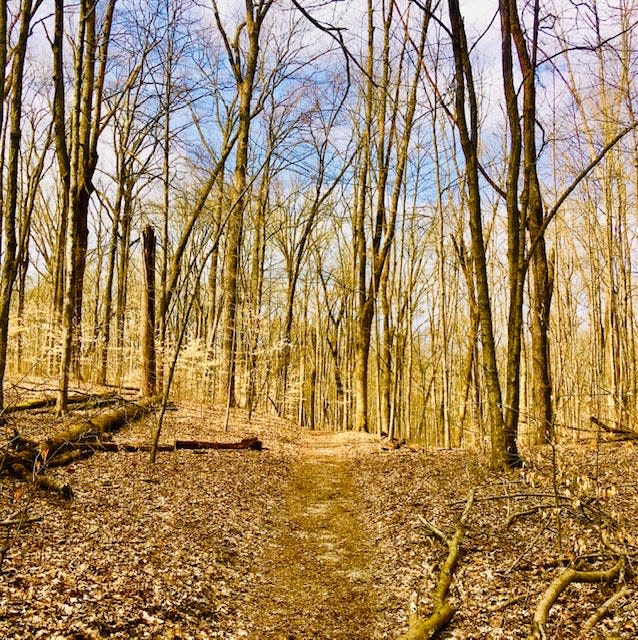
x: 558, y: 585
x: 425, y: 628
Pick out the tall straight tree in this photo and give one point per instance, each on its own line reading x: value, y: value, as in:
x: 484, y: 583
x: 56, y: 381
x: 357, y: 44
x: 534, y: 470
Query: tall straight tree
x: 532, y: 213
x: 11, y: 189
x: 503, y: 441
x: 516, y: 221
x: 77, y: 159
x: 390, y: 105
x: 243, y: 58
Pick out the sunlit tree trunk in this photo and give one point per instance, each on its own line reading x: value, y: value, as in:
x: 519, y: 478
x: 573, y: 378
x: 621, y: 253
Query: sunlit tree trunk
x: 389, y: 146
x: 503, y: 444
x: 533, y: 215
x: 147, y: 323
x: 244, y: 66
x: 77, y: 156
x: 9, y: 247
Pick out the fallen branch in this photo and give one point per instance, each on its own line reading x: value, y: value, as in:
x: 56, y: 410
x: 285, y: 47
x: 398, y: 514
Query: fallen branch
x: 623, y: 433
x: 558, y: 585
x: 43, y: 481
x: 604, y: 609
x: 510, y: 602
x: 68, y: 457
x: 529, y: 547
x: 19, y: 522
x: 528, y: 512
x: 519, y: 496
x: 425, y: 628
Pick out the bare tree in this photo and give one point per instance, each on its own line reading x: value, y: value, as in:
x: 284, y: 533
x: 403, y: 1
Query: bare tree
x: 10, y: 186
x: 244, y: 60
x: 77, y: 159
x: 385, y: 141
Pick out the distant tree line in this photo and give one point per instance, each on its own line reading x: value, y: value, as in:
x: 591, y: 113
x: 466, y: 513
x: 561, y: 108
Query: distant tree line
x: 384, y: 216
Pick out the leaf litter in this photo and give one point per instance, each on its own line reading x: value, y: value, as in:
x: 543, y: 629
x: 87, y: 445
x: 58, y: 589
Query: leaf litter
x: 318, y: 536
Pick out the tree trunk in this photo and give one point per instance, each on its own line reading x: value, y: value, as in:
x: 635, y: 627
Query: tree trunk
x: 503, y: 444
x: 147, y: 329
x: 533, y: 215
x: 107, y: 308
x: 78, y: 159
x: 244, y: 72
x: 362, y: 352
x: 10, y: 201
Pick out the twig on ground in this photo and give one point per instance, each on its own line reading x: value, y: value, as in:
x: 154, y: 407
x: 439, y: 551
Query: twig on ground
x: 12, y: 522
x: 528, y: 512
x: 531, y: 545
x: 517, y: 496
x: 512, y: 601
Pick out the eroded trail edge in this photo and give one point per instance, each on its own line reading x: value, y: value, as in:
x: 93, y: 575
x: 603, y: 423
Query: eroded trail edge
x: 319, y: 585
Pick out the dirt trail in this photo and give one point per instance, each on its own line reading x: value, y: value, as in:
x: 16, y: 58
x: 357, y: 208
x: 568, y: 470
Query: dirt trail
x: 320, y: 585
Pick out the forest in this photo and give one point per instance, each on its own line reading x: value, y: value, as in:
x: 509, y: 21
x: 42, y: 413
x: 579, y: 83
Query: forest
x: 405, y: 226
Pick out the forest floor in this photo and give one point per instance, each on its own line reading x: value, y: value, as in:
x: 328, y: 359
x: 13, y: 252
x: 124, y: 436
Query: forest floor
x: 319, y: 536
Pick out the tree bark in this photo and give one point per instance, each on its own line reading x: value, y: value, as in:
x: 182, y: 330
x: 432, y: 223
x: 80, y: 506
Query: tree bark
x: 9, y: 200
x: 147, y: 329
x: 106, y: 422
x: 503, y: 443
x: 533, y: 215
x: 77, y: 158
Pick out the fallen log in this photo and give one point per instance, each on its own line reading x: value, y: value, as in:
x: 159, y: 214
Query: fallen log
x: 82, y: 438
x: 443, y: 611
x: 115, y: 447
x: 32, y: 458
x: 106, y: 422
x: 254, y: 444
x: 41, y: 403
x: 43, y: 481
x: 68, y: 457
x: 23, y: 458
